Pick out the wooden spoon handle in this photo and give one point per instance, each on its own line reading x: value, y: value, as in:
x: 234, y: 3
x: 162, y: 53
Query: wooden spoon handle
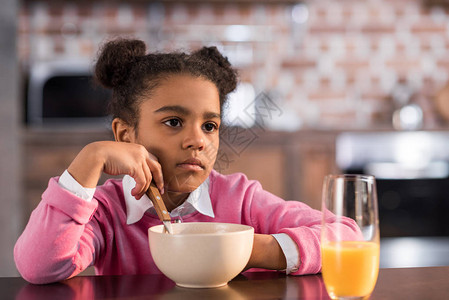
x: 158, y: 203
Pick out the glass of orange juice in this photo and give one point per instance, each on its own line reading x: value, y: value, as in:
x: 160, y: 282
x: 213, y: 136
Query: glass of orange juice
x: 349, y: 236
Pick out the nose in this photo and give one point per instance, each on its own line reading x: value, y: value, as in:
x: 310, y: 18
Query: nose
x: 194, y: 139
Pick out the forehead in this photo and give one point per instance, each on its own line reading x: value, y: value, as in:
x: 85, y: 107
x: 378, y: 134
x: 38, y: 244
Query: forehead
x: 185, y: 90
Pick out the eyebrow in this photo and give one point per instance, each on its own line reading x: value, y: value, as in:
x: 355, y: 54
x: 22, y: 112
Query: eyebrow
x: 184, y: 111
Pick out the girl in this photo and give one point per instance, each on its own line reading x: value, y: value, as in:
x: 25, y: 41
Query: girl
x: 166, y: 119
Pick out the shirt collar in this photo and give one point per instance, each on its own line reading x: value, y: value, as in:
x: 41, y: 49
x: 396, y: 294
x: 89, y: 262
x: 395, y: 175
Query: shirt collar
x: 198, y: 199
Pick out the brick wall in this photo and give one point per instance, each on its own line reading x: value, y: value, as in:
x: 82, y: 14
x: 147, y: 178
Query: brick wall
x: 328, y: 63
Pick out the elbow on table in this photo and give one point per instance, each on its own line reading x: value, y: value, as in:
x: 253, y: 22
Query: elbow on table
x: 36, y: 274
x: 40, y: 270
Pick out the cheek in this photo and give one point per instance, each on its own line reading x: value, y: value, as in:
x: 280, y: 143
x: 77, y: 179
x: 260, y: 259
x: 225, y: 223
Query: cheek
x: 210, y: 152
x: 160, y: 152
x: 156, y: 144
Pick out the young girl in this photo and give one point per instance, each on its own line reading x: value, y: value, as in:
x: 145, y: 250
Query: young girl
x: 166, y: 119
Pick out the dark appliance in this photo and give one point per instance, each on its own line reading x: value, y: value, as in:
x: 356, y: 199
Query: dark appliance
x: 63, y: 93
x: 412, y: 174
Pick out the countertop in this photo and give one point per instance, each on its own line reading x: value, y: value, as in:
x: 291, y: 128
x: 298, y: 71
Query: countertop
x: 402, y: 283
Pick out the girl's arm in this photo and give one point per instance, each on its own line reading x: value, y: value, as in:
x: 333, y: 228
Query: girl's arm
x: 117, y: 158
x: 272, y: 215
x: 266, y: 254
x: 59, y: 240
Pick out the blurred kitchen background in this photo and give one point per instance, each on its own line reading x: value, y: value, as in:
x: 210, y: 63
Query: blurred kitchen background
x: 327, y: 86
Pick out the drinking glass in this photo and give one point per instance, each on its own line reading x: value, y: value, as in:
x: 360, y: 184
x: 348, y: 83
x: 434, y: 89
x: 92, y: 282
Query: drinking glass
x: 349, y: 236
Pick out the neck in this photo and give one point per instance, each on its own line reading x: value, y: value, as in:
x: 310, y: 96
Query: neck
x: 174, y: 199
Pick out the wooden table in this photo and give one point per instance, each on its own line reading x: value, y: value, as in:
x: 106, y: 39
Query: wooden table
x: 430, y: 283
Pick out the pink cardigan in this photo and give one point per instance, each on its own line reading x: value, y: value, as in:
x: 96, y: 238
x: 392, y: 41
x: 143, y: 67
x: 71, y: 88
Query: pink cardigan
x: 66, y: 234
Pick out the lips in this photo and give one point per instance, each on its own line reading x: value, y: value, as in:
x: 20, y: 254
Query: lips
x: 192, y: 163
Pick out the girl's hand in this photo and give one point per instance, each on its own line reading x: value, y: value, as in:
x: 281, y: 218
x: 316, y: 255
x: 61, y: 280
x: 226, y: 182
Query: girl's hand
x: 266, y: 254
x: 117, y: 158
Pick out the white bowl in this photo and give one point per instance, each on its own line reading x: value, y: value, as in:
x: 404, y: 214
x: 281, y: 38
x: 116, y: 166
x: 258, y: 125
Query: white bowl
x: 201, y: 255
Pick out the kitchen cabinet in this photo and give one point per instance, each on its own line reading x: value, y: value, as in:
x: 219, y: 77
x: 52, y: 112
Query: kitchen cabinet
x: 47, y: 154
x: 290, y: 165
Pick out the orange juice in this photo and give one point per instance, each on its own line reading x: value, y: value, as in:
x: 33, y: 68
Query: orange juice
x: 350, y: 268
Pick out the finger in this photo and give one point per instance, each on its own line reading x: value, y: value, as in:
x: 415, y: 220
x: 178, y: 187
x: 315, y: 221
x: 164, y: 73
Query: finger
x: 139, y: 189
x: 156, y: 172
x: 148, y: 176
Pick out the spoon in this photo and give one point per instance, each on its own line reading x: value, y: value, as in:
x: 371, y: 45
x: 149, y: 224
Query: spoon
x: 159, y: 205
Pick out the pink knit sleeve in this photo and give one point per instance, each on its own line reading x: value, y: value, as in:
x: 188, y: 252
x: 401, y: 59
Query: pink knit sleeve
x: 58, y: 241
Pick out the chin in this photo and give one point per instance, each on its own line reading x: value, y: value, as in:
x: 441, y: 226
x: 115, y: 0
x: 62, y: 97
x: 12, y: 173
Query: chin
x: 185, y: 183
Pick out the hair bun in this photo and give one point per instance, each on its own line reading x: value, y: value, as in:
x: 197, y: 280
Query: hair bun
x: 227, y: 81
x: 213, y: 54
x: 116, y: 59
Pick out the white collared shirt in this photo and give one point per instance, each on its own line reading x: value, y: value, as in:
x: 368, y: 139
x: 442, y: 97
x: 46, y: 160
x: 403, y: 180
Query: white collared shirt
x: 198, y: 200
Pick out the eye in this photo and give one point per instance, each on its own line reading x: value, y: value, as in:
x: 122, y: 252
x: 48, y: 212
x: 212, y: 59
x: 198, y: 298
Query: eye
x: 210, y: 127
x: 173, y: 122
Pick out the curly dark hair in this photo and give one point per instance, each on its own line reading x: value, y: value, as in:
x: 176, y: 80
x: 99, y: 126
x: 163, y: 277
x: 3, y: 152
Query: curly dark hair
x: 124, y: 67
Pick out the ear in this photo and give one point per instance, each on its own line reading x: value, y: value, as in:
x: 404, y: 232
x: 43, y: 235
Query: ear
x: 123, y: 132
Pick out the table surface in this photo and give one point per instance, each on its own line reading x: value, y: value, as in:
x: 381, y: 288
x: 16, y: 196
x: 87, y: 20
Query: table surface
x: 402, y: 283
